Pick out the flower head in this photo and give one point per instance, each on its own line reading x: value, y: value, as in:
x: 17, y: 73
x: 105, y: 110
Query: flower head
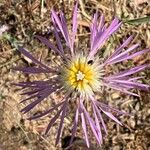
x: 81, y: 76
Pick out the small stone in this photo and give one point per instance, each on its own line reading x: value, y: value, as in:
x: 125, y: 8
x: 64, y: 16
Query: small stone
x: 117, y: 147
x: 132, y: 123
x: 115, y: 95
x: 139, y: 122
x: 137, y: 107
x: 148, y: 111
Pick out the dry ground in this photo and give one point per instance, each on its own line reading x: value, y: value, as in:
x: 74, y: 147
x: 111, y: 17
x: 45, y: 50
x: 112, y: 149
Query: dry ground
x: 24, y: 18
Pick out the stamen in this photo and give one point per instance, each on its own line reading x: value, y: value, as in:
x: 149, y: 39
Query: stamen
x: 80, y: 75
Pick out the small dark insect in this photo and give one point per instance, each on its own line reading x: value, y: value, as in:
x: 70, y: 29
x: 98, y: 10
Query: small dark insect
x: 90, y: 62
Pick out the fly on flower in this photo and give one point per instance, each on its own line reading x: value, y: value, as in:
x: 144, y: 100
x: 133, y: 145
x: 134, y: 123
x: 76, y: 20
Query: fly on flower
x: 81, y: 76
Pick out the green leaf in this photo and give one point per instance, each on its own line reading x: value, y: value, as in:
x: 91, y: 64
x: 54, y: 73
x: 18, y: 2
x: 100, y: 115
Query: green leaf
x: 138, y: 20
x: 14, y: 42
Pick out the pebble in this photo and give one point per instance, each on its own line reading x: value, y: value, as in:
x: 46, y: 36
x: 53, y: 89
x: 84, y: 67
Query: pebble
x: 137, y: 107
x: 148, y: 111
x: 132, y: 123
x: 117, y: 147
x: 115, y: 95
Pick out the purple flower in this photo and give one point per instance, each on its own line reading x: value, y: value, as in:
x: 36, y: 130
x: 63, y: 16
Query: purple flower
x: 81, y: 76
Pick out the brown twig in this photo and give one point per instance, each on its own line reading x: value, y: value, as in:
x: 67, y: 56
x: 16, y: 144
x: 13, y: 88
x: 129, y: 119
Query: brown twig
x: 83, y: 10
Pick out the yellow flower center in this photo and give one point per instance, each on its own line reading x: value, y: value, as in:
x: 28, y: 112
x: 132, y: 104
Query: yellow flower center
x: 82, y: 75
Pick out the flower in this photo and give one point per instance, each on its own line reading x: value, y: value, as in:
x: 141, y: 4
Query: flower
x: 81, y: 76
